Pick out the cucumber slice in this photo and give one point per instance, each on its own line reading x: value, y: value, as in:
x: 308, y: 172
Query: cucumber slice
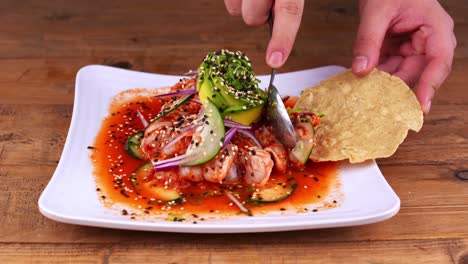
x: 206, y: 142
x: 140, y: 180
x: 273, y: 194
x: 182, y: 100
x: 305, y: 144
x: 132, y: 146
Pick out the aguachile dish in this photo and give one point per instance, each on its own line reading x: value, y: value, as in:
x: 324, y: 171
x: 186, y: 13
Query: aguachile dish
x: 200, y: 148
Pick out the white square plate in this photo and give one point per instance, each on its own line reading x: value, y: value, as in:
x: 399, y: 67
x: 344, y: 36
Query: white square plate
x: 70, y: 196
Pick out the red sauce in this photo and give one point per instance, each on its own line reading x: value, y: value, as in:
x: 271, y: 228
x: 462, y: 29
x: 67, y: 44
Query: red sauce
x: 113, y: 167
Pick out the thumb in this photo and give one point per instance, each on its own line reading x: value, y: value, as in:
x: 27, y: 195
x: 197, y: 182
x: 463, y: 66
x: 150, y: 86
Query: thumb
x: 374, y: 23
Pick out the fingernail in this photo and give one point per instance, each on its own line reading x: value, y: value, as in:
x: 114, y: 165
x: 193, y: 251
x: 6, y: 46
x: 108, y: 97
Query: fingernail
x: 427, y: 107
x: 275, y: 59
x: 359, y: 63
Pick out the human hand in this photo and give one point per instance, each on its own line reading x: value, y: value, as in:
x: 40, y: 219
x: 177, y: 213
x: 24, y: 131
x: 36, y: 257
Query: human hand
x: 413, y: 40
x: 288, y: 15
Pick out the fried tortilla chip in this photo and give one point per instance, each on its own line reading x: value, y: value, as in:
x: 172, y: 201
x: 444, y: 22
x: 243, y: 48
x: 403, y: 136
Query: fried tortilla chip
x: 365, y: 118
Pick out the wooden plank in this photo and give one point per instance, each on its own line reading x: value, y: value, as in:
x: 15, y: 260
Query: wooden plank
x: 217, y: 251
x: 25, y: 141
x: 427, y: 212
x: 50, y: 253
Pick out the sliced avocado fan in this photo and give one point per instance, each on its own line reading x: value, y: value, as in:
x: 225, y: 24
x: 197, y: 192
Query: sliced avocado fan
x: 226, y: 79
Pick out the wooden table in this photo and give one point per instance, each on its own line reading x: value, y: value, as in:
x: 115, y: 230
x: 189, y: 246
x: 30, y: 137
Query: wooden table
x: 44, y: 43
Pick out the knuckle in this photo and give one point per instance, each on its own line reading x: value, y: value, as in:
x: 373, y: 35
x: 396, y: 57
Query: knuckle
x: 252, y: 20
x: 290, y: 7
x: 435, y: 86
x: 234, y: 11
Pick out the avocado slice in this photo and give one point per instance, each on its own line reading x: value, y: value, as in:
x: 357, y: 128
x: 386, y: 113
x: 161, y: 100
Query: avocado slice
x: 243, y: 116
x: 206, y: 91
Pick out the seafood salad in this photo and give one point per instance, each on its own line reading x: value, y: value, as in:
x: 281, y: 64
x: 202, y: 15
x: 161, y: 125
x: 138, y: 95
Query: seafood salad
x: 206, y: 139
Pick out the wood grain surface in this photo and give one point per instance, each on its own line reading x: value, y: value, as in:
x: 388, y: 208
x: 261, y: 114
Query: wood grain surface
x: 44, y: 43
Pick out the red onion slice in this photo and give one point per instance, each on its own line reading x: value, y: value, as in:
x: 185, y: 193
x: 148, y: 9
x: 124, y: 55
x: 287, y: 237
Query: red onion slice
x: 230, y: 123
x: 179, y: 137
x: 192, y: 126
x: 237, y: 202
x: 250, y: 135
x: 167, y: 163
x: 177, y: 93
x: 170, y: 160
x: 195, y: 101
x: 142, y: 119
x: 229, y: 135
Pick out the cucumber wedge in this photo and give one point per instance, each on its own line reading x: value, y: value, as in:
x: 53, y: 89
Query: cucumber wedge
x: 273, y: 194
x: 207, y: 141
x: 140, y: 180
x: 305, y: 144
x: 132, y: 146
x: 182, y: 100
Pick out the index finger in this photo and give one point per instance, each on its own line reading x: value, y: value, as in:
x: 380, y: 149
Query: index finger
x: 288, y: 15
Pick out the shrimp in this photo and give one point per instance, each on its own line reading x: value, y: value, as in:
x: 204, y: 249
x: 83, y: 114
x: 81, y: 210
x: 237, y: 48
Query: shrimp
x: 164, y: 138
x: 255, y: 165
x: 233, y: 176
x: 193, y: 173
x: 151, y: 143
x: 221, y: 169
x: 280, y: 158
x: 218, y: 168
x: 274, y: 147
